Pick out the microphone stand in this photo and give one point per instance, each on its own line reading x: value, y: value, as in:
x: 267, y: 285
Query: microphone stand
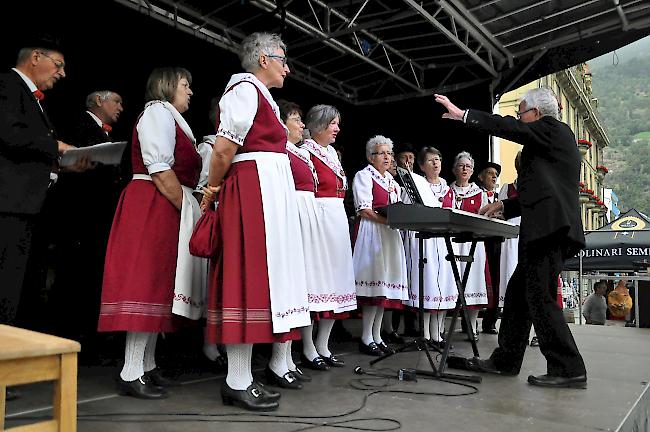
x: 420, y: 343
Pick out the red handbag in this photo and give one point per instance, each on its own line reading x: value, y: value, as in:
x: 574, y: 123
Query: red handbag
x: 203, y: 242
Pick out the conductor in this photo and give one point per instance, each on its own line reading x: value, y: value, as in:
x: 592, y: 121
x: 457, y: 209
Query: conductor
x: 550, y: 232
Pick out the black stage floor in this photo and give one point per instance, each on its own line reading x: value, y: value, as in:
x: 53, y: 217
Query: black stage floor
x: 617, y: 397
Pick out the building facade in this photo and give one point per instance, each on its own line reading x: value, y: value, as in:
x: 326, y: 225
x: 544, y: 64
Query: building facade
x: 579, y: 111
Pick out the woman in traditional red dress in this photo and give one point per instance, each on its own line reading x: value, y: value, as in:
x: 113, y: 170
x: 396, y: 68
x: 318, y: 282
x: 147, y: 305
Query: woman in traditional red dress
x: 149, y: 274
x: 257, y: 287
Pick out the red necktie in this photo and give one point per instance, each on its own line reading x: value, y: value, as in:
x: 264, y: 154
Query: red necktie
x: 107, y: 128
x: 490, y: 194
x: 39, y: 95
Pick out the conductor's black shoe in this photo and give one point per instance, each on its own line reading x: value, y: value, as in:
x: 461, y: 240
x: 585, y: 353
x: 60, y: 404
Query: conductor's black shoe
x: 579, y: 381
x: 476, y: 364
x: 288, y: 380
x: 251, y: 399
x: 534, y: 341
x: 316, y: 364
x: 490, y: 331
x: 156, y: 377
x: 370, y: 349
x: 393, y: 337
x: 140, y: 388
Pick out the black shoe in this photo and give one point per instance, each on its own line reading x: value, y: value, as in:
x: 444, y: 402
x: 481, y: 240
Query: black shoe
x: 534, y: 341
x: 12, y: 394
x: 251, y: 399
x: 269, y: 395
x: 141, y: 388
x: 490, y: 331
x: 438, y: 345
x: 156, y: 377
x: 385, y: 349
x: 316, y: 364
x: 370, y: 349
x: 393, y: 337
x: 288, y: 380
x: 298, y: 373
x: 476, y: 364
x: 332, y: 360
x: 475, y: 337
x: 579, y: 381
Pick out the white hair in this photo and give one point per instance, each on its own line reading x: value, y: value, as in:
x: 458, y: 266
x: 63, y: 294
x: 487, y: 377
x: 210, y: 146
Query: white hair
x: 319, y: 117
x: 376, y: 141
x: 256, y: 44
x: 544, y: 100
x: 463, y: 155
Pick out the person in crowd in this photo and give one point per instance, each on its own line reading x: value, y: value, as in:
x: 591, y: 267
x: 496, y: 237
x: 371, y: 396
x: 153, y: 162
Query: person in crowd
x: 508, y: 259
x: 488, y: 179
x: 83, y: 236
x: 594, y: 308
x: 323, y: 121
x: 29, y: 148
x: 216, y: 360
x: 438, y: 287
x: 378, y: 258
x: 320, y: 290
x: 257, y: 291
x: 468, y: 196
x: 404, y: 158
x: 150, y: 278
x: 550, y: 232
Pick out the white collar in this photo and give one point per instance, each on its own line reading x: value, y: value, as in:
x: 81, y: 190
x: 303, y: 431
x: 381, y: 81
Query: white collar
x: 97, y: 120
x: 177, y: 116
x: 30, y: 84
x: 249, y: 77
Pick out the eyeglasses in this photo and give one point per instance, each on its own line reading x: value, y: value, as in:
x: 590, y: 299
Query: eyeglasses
x: 519, y: 114
x: 58, y: 63
x: 463, y: 166
x: 281, y: 59
x: 384, y: 153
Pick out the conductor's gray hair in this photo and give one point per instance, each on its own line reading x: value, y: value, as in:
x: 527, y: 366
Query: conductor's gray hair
x: 91, y: 99
x: 256, y: 44
x: 375, y: 141
x: 544, y: 100
x: 463, y: 155
x: 319, y: 117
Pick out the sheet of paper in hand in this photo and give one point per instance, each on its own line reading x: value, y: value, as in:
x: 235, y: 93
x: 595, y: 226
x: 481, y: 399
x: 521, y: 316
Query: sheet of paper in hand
x: 108, y: 153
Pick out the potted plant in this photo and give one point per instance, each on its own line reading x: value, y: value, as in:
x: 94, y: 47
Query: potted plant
x: 584, y: 146
x: 601, y: 172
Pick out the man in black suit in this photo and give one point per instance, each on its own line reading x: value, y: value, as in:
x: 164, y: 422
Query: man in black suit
x: 28, y: 154
x: 83, y: 234
x: 550, y: 232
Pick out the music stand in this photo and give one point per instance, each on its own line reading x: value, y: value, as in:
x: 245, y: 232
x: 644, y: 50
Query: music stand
x: 420, y: 343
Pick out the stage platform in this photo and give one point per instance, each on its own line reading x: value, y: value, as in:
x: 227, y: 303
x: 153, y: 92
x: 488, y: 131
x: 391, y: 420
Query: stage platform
x: 617, y: 397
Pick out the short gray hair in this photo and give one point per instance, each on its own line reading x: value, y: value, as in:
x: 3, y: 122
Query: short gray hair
x: 319, y: 117
x: 256, y: 44
x: 376, y: 141
x: 426, y: 151
x: 463, y: 155
x: 544, y: 100
x: 91, y: 99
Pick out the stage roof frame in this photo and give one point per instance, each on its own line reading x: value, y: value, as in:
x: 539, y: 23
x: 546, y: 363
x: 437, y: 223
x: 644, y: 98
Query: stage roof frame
x: 375, y: 51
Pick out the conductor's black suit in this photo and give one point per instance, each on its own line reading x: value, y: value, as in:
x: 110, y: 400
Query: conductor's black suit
x: 550, y: 232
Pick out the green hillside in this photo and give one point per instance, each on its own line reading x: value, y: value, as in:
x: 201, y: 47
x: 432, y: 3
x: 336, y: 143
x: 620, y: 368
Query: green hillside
x: 621, y: 82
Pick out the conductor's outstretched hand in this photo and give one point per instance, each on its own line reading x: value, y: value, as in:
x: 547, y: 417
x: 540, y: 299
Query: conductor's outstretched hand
x: 453, y: 112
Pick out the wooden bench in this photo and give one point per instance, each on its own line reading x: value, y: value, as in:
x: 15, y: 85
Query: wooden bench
x: 29, y: 357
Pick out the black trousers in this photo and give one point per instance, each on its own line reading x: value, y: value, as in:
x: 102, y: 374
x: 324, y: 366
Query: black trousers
x: 531, y: 299
x: 15, y: 245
